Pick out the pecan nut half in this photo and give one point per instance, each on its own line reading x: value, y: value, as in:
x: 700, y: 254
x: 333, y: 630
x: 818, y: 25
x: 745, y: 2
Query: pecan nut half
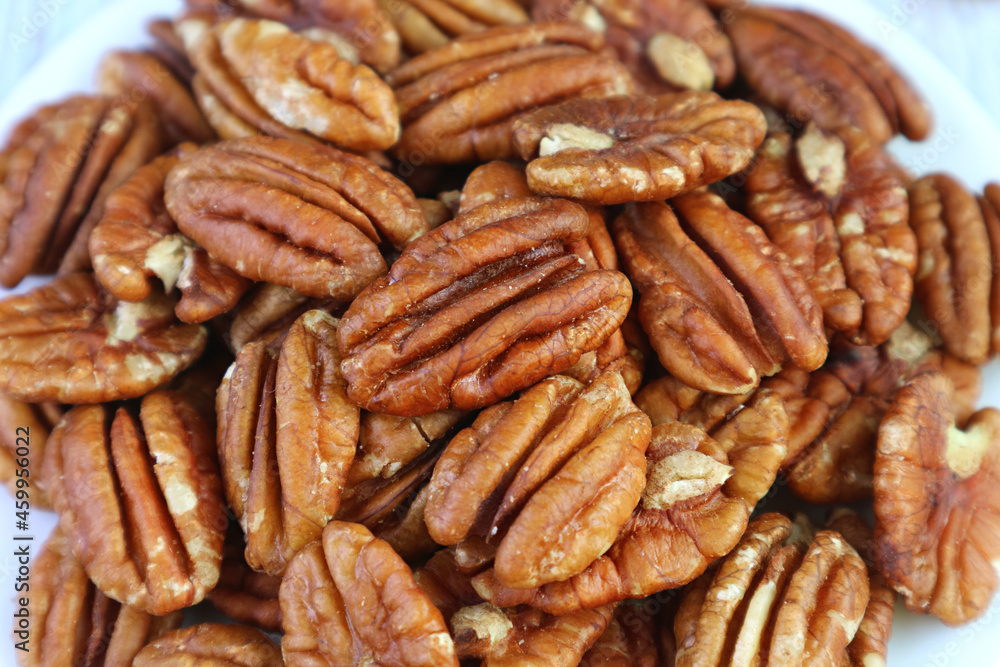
x: 69, y: 341
x: 24, y: 433
x: 245, y: 595
x: 140, y: 500
x: 482, y: 306
x: 624, y: 149
x: 211, y: 644
x: 428, y: 24
x: 630, y: 640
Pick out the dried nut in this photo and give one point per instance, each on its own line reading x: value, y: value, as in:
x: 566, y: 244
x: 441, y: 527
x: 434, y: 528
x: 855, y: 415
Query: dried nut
x: 137, y: 240
x: 624, y: 149
x: 245, y: 595
x: 630, y: 640
x: 856, y: 249
x: 481, y: 307
x: 68, y: 341
x: 306, y: 217
x: 459, y: 102
x: 723, y: 306
x: 491, y: 182
x: 808, y: 68
x: 406, y: 530
x: 349, y: 599
x: 989, y: 204
x: 169, y: 48
x: 955, y: 268
x: 387, y: 443
x: 551, y: 477
x: 211, y: 645
x: 448, y: 588
x: 132, y: 73
x: 428, y: 24
x: 680, y: 62
x: 140, y: 500
x: 24, y: 433
x: 781, y: 605
x: 266, y: 312
x: 58, y: 167
x: 286, y: 437
x: 936, y: 502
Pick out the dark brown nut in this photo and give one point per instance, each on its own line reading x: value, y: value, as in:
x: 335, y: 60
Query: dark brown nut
x: 856, y: 246
x: 56, y: 170
x: 133, y: 74
x: 349, y: 599
x: 955, y: 267
x: 459, y: 102
x: 244, y: 595
x: 723, y: 306
x: 810, y: 69
x: 211, y: 645
x: 989, y: 204
x: 24, y: 432
x: 630, y: 640
x: 551, y: 478
x: 140, y: 500
x: 137, y: 240
x: 624, y: 149
x: 257, y: 76
x: 481, y: 307
x: 101, y: 631
x: 424, y: 25
x: 70, y: 342
x: 286, y: 437
x: 406, y: 530
x: 303, y: 216
x: 936, y: 502
x: 780, y: 605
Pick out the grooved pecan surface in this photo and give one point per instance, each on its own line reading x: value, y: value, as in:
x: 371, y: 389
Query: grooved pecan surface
x: 428, y: 24
x: 24, y: 432
x: 630, y: 640
x: 211, y: 644
x: 245, y: 595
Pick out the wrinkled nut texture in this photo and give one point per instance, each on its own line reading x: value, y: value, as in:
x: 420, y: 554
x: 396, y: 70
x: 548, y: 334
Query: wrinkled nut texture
x: 301, y: 216
x: 24, y: 432
x: 459, y: 102
x: 245, y: 595
x: 56, y: 170
x: 810, y: 69
x: 70, y: 342
x: 428, y: 24
x: 989, y: 204
x: 266, y: 312
x: 563, y: 465
x: 389, y: 443
x: 481, y: 307
x: 211, y: 645
x: 137, y: 240
x: 62, y: 597
x: 937, y: 502
x: 630, y: 640
x: 349, y: 599
x: 286, y: 437
x: 140, y: 500
x: 624, y: 149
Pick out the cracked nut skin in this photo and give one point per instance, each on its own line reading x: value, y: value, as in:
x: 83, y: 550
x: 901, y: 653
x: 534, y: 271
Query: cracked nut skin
x: 424, y: 25
x: 775, y: 600
x: 811, y: 69
x: 614, y: 150
x: 136, y: 241
x: 103, y: 632
x: 211, y: 645
x: 302, y: 216
x: 551, y: 478
x: 140, y: 500
x: 24, y: 432
x: 936, y: 502
x: 483, y: 306
x: 245, y: 595
x: 458, y: 103
x: 286, y: 438
x: 56, y: 170
x: 349, y: 599
x: 70, y: 342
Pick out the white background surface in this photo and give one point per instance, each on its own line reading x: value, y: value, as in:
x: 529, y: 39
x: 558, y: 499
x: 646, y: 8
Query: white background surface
x: 966, y: 142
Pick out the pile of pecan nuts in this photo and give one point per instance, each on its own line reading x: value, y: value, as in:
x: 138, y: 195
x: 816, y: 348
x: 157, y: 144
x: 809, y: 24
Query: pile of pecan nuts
x: 432, y: 332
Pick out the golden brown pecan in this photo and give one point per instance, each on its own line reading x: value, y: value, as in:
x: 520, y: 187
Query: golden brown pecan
x: 810, y: 69
x: 141, y: 500
x: 24, y: 432
x: 257, y: 76
x: 775, y: 602
x: 245, y: 595
x: 266, y: 311
x: 624, y: 149
x: 479, y: 308
x: 211, y: 645
x: 286, y: 437
x: 936, y: 502
x: 855, y: 246
x: 388, y: 443
x: 630, y: 640
x: 448, y: 588
x: 137, y: 240
x: 491, y: 182
x: 428, y: 24
x: 722, y: 305
x: 989, y: 204
x: 56, y: 170
x: 169, y: 48
x: 303, y: 216
x: 551, y: 478
x: 348, y: 599
x: 71, y: 342
x: 459, y: 102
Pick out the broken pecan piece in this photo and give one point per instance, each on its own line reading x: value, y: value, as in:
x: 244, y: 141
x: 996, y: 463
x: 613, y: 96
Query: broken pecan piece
x: 211, y: 644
